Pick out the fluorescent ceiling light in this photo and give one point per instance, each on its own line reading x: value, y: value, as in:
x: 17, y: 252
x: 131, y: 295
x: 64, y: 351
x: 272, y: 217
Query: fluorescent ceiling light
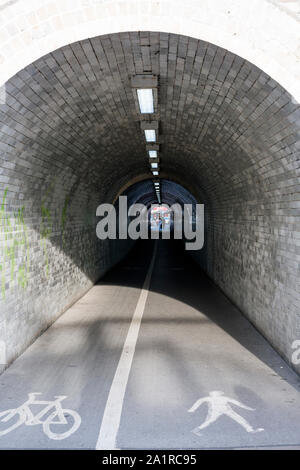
x: 152, y: 153
x: 150, y: 135
x: 154, y: 165
x: 146, y: 102
x: 155, y: 173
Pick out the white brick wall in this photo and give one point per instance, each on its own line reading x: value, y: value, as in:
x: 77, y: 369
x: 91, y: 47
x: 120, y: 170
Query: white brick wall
x: 265, y: 32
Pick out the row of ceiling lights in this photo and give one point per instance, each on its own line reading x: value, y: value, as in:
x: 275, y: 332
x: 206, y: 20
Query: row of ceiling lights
x: 146, y: 99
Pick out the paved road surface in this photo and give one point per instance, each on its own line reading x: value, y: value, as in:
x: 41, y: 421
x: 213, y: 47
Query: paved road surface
x: 132, y: 382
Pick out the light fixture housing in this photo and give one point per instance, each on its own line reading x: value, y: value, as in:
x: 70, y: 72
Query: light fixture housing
x: 153, y: 125
x: 152, y: 150
x: 155, y: 173
x: 145, y: 87
x: 146, y: 100
x: 150, y: 135
x: 150, y: 131
x: 152, y: 153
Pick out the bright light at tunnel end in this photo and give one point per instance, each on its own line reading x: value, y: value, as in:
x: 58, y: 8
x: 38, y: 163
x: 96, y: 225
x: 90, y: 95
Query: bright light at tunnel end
x: 187, y: 222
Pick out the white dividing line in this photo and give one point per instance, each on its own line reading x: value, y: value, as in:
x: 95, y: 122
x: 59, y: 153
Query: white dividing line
x: 114, y: 405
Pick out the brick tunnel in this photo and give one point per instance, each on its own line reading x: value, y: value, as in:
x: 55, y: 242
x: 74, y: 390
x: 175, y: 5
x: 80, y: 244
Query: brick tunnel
x: 71, y: 139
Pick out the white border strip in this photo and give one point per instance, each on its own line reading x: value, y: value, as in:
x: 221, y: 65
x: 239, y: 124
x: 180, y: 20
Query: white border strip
x: 114, y: 405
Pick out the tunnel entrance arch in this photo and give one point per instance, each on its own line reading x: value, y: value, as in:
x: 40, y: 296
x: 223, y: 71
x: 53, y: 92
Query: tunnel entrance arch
x: 268, y: 39
x: 69, y: 133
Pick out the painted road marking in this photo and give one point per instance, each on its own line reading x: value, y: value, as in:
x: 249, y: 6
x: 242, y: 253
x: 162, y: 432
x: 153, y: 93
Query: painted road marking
x: 219, y: 405
x: 114, y: 405
x: 56, y: 418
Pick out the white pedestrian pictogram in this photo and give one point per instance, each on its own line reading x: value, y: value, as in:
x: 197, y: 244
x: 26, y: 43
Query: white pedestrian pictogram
x: 52, y: 416
x: 219, y: 405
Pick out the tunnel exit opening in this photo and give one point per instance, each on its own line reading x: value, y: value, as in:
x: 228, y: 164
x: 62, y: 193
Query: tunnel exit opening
x: 179, y: 215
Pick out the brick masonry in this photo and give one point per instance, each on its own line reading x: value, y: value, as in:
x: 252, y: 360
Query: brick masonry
x: 265, y: 32
x: 71, y: 138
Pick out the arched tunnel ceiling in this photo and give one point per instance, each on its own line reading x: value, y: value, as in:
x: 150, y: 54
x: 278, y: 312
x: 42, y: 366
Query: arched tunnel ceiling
x: 225, y: 126
x: 70, y: 138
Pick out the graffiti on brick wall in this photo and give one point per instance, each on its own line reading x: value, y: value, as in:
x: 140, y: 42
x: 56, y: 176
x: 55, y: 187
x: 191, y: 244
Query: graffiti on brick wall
x: 14, y: 241
x: 46, y: 225
x: 45, y: 230
x: 64, y: 218
x: 14, y: 244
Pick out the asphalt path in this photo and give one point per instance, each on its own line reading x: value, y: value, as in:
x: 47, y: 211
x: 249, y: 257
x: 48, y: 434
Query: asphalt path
x: 153, y: 357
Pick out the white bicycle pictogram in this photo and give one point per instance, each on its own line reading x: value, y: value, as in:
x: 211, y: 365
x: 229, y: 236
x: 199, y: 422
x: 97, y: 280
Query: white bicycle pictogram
x: 46, y: 417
